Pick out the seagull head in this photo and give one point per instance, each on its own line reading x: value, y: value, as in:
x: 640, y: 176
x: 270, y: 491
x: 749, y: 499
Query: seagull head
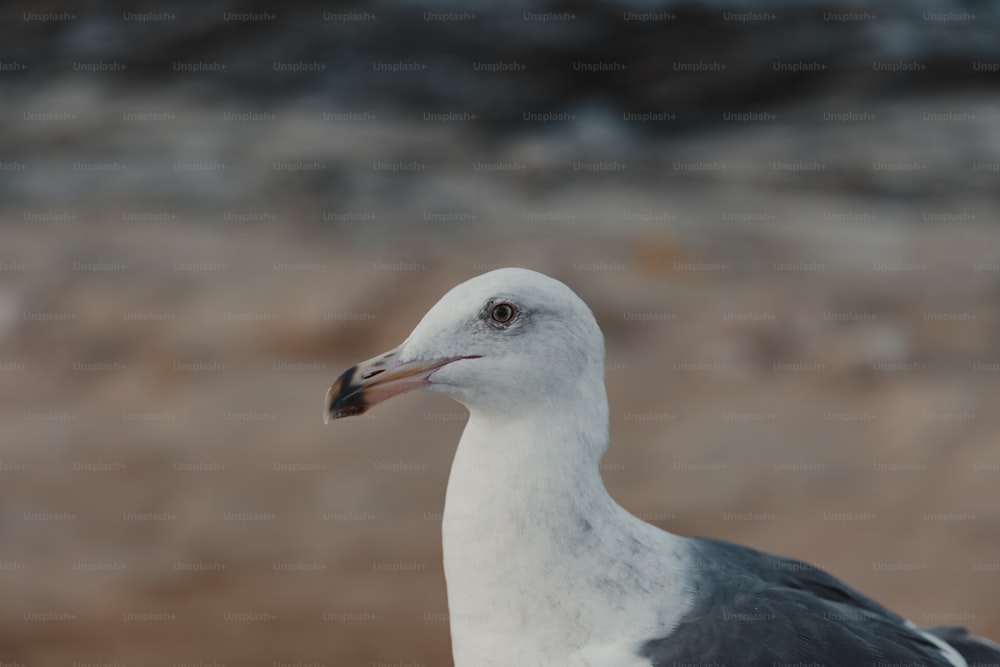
x: 501, y: 342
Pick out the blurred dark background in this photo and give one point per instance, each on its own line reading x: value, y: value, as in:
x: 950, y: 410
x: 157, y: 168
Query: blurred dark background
x: 784, y: 216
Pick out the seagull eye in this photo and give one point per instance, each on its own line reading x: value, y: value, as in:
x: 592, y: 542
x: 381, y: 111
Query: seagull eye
x: 503, y: 313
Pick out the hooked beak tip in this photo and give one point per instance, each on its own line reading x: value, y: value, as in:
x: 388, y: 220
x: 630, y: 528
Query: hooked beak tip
x: 344, y: 397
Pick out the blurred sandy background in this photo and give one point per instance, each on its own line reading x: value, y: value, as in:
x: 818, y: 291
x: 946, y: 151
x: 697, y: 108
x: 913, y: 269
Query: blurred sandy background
x: 795, y: 261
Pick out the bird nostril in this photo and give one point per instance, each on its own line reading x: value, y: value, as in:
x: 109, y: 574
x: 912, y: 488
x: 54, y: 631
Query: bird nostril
x: 372, y: 373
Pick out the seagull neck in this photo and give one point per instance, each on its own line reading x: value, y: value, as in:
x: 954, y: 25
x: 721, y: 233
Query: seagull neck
x: 545, y: 455
x: 533, y: 472
x: 532, y: 540
x: 528, y: 522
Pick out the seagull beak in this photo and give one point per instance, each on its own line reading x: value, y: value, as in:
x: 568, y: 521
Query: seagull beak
x: 376, y: 380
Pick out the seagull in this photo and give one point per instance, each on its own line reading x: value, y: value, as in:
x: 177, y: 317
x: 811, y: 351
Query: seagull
x: 544, y: 569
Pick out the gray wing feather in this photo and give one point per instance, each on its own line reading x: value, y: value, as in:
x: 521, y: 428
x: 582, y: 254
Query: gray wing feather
x: 756, y: 608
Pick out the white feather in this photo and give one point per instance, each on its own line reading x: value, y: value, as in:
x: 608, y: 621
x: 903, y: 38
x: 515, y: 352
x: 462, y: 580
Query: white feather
x: 541, y: 563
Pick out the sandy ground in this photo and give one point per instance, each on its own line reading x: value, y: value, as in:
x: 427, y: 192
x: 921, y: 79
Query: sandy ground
x: 170, y: 495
